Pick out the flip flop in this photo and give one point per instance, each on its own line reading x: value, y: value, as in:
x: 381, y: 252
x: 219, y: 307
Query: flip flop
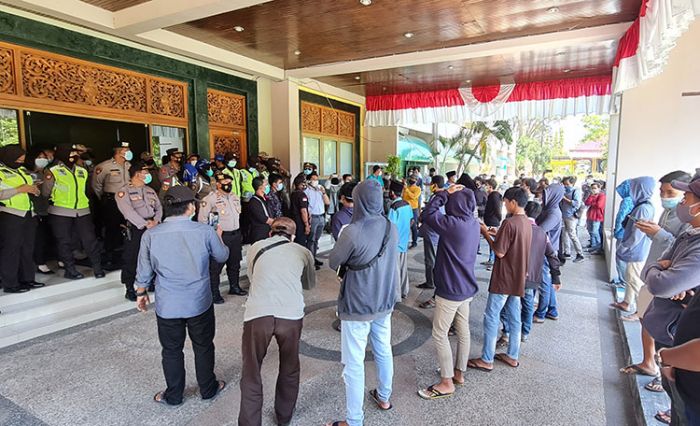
x: 635, y: 369
x: 507, y: 360
x: 430, y: 393
x: 663, y: 416
x: 219, y: 389
x: 618, y: 306
x: 158, y: 398
x: 375, y: 397
x: 655, y: 385
x: 472, y: 364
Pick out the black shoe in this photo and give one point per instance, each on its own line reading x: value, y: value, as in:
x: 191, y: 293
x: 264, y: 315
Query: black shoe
x: 218, y: 300
x: 99, y: 273
x: 413, y: 245
x: 318, y: 262
x: 566, y: 256
x: 151, y: 288
x: 16, y: 290
x: 425, y: 285
x: 238, y: 292
x: 579, y: 259
x: 73, y: 274
x: 33, y: 284
x: 130, y: 295
x: 318, y: 268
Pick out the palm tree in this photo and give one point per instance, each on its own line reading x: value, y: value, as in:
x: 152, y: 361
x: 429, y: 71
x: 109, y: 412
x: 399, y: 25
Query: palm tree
x: 482, y: 132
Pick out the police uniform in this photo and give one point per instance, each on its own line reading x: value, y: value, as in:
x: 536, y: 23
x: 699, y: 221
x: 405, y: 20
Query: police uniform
x: 18, y: 230
x: 108, y: 179
x: 201, y: 186
x: 247, y: 184
x: 235, y: 176
x: 228, y: 208
x: 138, y: 204
x: 69, y: 213
x: 168, y: 178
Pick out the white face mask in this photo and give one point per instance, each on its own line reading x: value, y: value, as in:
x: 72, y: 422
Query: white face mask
x: 41, y: 162
x: 314, y: 183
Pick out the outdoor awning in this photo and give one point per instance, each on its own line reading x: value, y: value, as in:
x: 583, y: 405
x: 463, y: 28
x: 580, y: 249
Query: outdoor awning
x: 414, y: 149
x: 543, y: 99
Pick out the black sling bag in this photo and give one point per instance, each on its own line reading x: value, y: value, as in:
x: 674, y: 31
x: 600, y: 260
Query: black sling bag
x: 343, y: 269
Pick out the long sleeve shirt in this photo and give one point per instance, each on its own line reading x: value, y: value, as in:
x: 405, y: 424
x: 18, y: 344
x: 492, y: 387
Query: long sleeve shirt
x: 411, y: 194
x: 568, y: 209
x: 684, y: 272
x: 176, y: 254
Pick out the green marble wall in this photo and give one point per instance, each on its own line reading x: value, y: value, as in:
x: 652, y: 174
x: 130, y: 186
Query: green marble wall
x: 38, y: 35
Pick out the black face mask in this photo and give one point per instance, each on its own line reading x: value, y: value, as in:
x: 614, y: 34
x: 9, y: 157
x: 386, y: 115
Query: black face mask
x: 15, y: 165
x: 335, y: 181
x: 226, y: 187
x: 150, y: 162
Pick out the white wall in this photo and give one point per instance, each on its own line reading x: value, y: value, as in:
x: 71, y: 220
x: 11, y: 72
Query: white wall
x: 265, y: 115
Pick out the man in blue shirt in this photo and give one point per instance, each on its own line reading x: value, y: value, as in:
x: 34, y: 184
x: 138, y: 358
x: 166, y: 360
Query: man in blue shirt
x: 177, y: 254
x: 318, y: 200
x: 401, y: 214
x: 570, y: 206
x: 377, y: 175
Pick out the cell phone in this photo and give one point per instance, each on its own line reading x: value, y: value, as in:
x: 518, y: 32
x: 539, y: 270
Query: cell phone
x: 633, y: 219
x: 213, y: 219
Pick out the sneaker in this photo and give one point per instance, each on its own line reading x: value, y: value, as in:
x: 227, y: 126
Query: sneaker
x: 318, y: 262
x: 551, y: 317
x: 524, y: 337
x: 538, y: 320
x: 502, y: 342
x: 219, y: 300
x: 579, y: 258
x: 413, y: 245
x: 130, y: 295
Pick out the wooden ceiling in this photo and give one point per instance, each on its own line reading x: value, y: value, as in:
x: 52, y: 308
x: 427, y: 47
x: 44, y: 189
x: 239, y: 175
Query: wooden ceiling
x: 576, y: 61
x: 343, y: 30
x: 115, y: 5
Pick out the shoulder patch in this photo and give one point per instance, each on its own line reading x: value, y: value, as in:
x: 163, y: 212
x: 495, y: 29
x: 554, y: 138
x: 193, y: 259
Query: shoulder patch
x: 48, y: 176
x: 98, y: 171
x: 120, y: 194
x: 203, y: 204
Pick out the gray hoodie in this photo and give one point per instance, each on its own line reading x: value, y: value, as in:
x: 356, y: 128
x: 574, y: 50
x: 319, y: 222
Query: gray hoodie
x: 369, y: 293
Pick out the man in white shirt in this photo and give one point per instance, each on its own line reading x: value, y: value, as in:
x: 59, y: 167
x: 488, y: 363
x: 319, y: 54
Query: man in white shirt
x: 318, y: 200
x: 275, y: 307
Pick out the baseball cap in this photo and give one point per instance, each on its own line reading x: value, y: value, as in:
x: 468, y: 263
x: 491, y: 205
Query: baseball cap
x: 219, y: 157
x: 692, y: 186
x: 179, y: 194
x: 173, y: 151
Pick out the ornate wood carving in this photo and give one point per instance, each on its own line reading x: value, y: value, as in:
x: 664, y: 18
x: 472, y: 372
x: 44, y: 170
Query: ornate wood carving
x: 226, y: 109
x: 329, y: 121
x: 35, y: 79
x: 230, y: 143
x: 310, y: 117
x: 346, y: 124
x: 7, y: 71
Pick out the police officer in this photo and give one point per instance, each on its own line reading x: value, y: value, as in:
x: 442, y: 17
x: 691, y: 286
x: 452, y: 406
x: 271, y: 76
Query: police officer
x: 110, y: 176
x: 202, y: 184
x: 150, y: 163
x: 170, y: 171
x: 141, y: 207
x: 247, y: 176
x: 230, y: 161
x: 69, y: 210
x: 17, y: 222
x: 224, y: 207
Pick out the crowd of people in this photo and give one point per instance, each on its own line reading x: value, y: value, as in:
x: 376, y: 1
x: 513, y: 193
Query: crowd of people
x: 171, y: 229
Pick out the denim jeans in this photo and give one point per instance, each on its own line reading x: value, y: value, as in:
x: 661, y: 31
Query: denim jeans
x: 594, y: 233
x: 492, y: 314
x: 354, y: 336
x: 621, y: 267
x: 527, y: 309
x: 547, y: 304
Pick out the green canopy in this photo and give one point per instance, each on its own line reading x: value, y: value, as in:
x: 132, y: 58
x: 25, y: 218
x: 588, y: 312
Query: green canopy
x: 414, y: 149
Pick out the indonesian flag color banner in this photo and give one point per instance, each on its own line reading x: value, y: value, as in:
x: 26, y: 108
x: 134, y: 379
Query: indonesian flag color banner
x: 644, y: 49
x: 542, y: 99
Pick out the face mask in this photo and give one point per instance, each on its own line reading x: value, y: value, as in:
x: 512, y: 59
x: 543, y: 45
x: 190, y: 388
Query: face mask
x: 314, y: 183
x: 150, y: 162
x: 595, y: 191
x: 88, y: 163
x: 252, y: 169
x: 589, y: 181
x: 147, y: 179
x: 683, y: 212
x: 128, y: 155
x: 226, y: 187
x: 280, y: 187
x: 670, y: 203
x: 210, y: 172
x: 307, y: 172
x: 16, y: 165
x: 41, y: 162
x: 231, y: 163
x: 267, y: 189
x: 192, y: 215
x: 193, y: 163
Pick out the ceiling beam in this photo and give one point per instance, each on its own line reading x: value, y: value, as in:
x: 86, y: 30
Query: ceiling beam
x: 547, y: 41
x: 74, y: 11
x: 157, y: 14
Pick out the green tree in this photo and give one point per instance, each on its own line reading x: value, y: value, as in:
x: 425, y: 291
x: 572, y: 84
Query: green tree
x: 597, y: 128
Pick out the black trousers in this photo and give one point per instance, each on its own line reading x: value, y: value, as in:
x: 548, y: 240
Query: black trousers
x: 130, y: 256
x: 171, y: 333
x: 232, y: 240
x: 43, y: 242
x: 64, y: 228
x: 112, y: 220
x: 257, y: 334
x: 17, y: 252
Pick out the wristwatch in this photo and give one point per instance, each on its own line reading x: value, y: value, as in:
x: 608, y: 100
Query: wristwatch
x: 660, y: 358
x: 145, y: 293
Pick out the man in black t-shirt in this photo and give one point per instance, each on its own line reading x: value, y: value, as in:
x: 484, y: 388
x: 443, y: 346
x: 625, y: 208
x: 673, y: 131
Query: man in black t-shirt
x: 300, y: 209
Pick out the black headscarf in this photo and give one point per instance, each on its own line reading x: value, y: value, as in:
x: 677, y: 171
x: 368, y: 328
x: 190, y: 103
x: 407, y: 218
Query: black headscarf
x: 63, y: 154
x: 9, y: 155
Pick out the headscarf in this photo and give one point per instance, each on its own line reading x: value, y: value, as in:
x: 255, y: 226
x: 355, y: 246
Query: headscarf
x: 9, y: 155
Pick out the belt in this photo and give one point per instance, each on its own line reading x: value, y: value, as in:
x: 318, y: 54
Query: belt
x: 108, y: 195
x: 232, y: 232
x: 317, y: 215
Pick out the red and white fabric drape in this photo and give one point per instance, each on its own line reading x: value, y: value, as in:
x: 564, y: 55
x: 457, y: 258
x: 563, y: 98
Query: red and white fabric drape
x: 546, y: 99
x: 644, y: 49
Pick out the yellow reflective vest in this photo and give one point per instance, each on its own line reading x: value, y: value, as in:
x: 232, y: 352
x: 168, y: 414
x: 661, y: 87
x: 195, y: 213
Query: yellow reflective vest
x: 69, y: 187
x: 14, y: 178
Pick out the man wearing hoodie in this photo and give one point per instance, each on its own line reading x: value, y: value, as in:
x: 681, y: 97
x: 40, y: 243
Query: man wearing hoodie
x: 626, y: 206
x: 634, y: 246
x: 455, y: 281
x: 369, y: 290
x: 550, y: 221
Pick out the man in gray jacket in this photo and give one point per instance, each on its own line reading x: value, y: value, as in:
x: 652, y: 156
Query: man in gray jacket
x: 368, y: 293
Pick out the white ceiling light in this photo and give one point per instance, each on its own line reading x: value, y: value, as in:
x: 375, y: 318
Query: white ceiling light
x: 365, y: 2
x: 238, y: 29
x: 297, y: 52
x: 553, y: 10
x: 408, y: 35
x: 357, y: 77
x: 566, y: 71
x: 450, y: 67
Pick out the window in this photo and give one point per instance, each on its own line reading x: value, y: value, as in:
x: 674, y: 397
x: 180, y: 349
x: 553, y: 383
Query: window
x: 345, y: 158
x: 312, y: 150
x: 9, y: 127
x: 163, y: 138
x: 330, y: 157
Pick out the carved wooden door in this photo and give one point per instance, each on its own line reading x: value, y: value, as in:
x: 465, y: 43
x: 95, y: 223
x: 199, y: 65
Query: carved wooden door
x: 225, y: 141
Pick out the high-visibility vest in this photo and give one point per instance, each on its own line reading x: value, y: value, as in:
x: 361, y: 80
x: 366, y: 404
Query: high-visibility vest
x: 247, y: 183
x: 235, y: 176
x: 14, y: 178
x: 69, y: 187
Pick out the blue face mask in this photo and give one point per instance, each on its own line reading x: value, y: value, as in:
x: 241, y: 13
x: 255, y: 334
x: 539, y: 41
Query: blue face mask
x: 280, y: 187
x: 210, y: 172
x: 252, y: 169
x: 307, y: 172
x: 147, y: 179
x: 670, y: 203
x: 267, y: 189
x: 128, y: 155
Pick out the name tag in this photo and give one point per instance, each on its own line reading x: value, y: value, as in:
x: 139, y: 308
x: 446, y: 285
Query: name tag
x: 134, y: 197
x: 114, y: 172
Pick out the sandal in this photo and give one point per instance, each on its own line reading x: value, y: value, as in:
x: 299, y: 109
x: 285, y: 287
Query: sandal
x: 663, y: 416
x: 431, y: 393
x: 375, y: 397
x: 618, y: 306
x: 472, y: 363
x: 655, y: 385
x: 513, y: 363
x: 636, y: 369
x: 219, y: 388
x: 454, y: 381
x: 428, y: 304
x: 159, y: 398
